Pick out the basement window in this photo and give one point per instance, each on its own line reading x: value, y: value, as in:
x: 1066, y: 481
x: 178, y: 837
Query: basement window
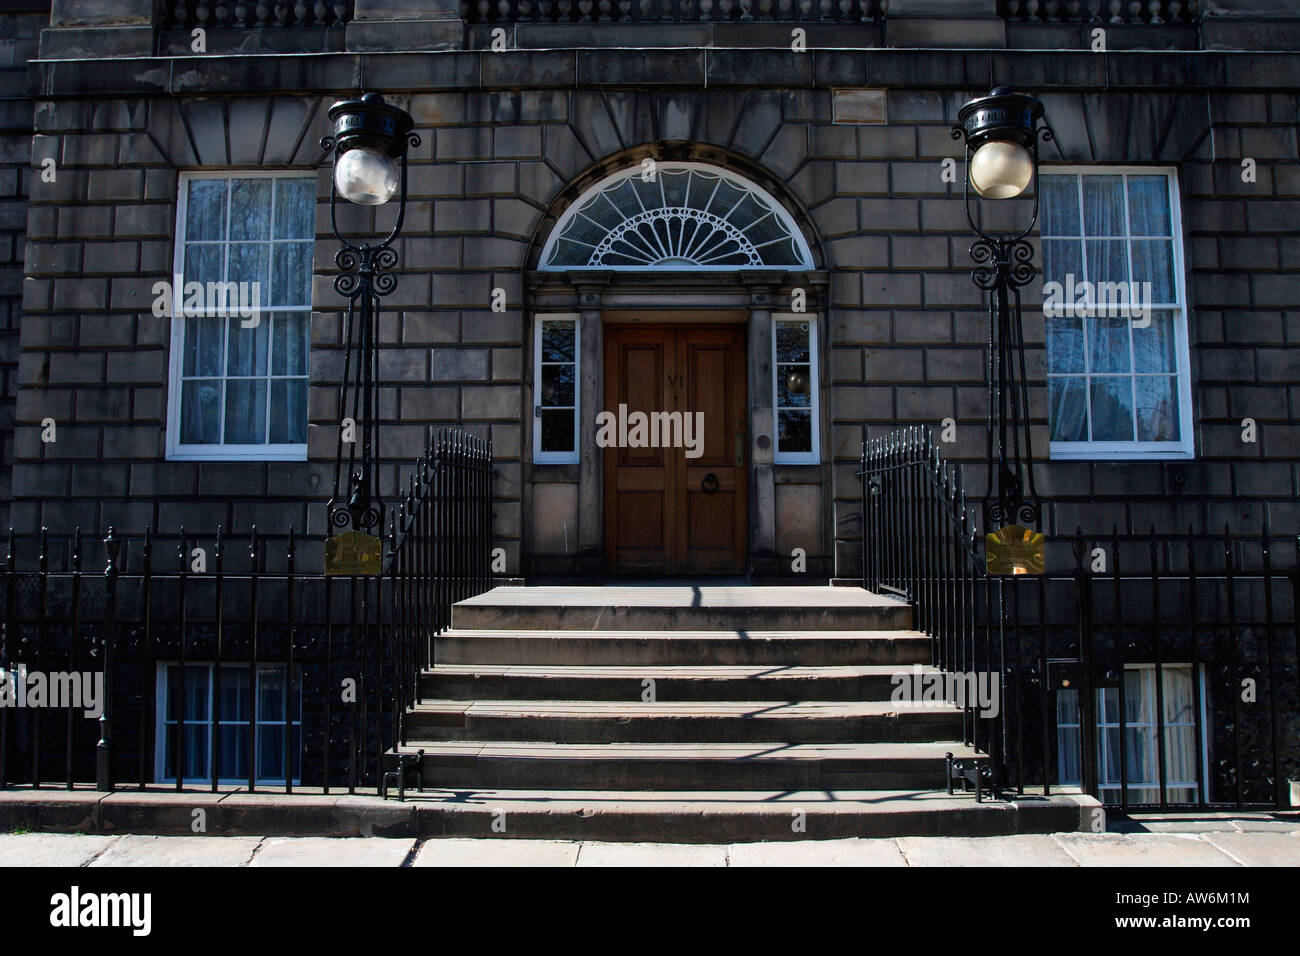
x: 189, y: 706
x: 1181, y: 695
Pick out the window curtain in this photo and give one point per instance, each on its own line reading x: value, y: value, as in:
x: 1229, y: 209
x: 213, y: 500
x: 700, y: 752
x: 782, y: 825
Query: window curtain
x: 1141, y: 751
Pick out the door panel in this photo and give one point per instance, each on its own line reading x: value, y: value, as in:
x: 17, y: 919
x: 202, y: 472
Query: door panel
x: 644, y: 391
x: 714, y: 483
x: 665, y: 512
x: 637, y: 480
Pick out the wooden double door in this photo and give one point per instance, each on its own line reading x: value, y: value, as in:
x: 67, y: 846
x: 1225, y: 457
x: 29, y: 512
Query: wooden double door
x: 680, y: 509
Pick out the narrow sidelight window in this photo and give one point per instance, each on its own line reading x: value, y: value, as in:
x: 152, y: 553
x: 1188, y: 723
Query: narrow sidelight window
x: 241, y: 316
x: 794, y: 367
x: 555, y: 385
x: 1116, y: 319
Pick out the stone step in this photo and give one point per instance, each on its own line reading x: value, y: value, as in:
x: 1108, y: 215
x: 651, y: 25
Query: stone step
x: 736, y: 816
x: 780, y: 690
x: 681, y: 608
x: 782, y: 648
x: 685, y: 766
x: 671, y: 682
x: 602, y: 722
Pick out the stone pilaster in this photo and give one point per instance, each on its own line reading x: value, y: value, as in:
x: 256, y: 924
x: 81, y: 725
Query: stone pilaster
x: 762, y: 440
x: 591, y: 499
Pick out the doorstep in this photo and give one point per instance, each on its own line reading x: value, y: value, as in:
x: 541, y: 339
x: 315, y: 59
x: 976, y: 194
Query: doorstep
x: 687, y: 817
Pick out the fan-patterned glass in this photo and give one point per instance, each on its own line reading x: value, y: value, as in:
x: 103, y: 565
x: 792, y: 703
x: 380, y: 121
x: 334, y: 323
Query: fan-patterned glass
x: 676, y: 216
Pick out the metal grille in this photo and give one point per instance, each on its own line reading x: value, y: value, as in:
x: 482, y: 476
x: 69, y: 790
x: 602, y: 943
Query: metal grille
x: 1107, y: 607
x: 246, y: 599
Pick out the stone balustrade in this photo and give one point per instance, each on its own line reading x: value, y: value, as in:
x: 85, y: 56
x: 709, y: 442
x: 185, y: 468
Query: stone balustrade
x: 669, y: 11
x: 255, y: 13
x: 1132, y: 12
x: 97, y: 28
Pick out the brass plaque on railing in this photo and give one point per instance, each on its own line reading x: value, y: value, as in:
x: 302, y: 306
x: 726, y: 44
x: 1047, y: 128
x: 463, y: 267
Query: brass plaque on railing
x: 353, y: 552
x: 1014, y: 550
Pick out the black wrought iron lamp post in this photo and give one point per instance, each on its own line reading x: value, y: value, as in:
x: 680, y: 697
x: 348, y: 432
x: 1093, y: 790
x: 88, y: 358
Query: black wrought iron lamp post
x: 1001, y: 132
x: 368, y: 147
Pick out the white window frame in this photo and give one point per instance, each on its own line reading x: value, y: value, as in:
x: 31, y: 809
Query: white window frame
x: 1185, y: 447
x: 814, y: 456
x: 176, y: 450
x: 160, y: 723
x: 541, y: 457
x: 1106, y: 783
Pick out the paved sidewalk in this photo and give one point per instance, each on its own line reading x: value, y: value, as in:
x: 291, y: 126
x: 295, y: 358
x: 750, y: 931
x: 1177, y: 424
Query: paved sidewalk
x: 1256, y: 840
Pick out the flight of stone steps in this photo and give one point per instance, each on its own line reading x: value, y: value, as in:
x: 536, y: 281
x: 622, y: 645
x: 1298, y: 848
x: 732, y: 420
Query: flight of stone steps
x: 692, y: 713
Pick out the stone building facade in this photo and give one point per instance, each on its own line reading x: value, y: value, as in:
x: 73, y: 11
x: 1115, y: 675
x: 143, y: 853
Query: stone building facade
x: 836, y: 116
x: 19, y: 38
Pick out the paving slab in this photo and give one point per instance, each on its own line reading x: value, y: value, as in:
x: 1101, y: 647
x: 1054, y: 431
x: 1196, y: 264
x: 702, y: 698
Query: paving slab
x: 1273, y: 823
x: 1205, y: 822
x: 1142, y: 849
x: 332, y: 851
x: 651, y: 854
x: 817, y: 853
x: 1020, y: 850
x: 136, y: 850
x: 501, y: 852
x: 49, y: 794
x: 1192, y: 825
x: 51, y: 849
x: 1217, y: 849
x: 1259, y: 848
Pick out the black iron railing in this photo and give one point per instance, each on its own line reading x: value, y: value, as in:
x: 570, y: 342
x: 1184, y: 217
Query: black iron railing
x: 231, y: 659
x: 669, y: 11
x: 1151, y: 670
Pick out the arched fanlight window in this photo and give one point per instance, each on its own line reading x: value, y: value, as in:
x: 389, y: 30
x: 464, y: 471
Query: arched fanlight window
x: 676, y: 216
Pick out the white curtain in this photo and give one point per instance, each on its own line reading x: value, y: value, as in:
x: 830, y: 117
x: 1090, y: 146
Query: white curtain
x: 1140, y: 743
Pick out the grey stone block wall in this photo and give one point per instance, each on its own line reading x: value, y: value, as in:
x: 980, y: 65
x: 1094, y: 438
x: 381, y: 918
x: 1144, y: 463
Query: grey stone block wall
x: 1242, y: 289
x: 95, y: 358
x: 495, y: 166
x: 19, y: 38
